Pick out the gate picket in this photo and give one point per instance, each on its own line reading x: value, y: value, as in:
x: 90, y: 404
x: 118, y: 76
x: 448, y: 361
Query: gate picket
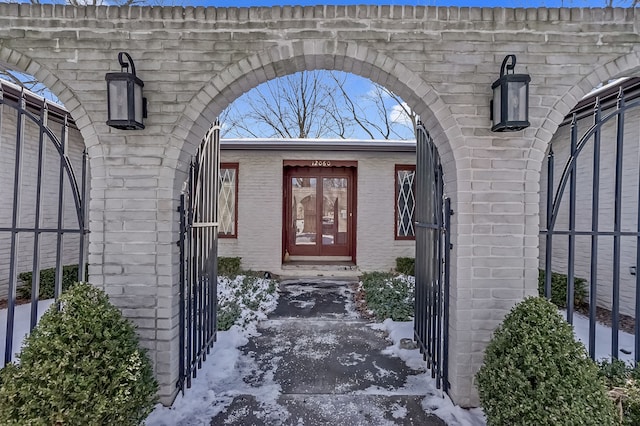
x: 198, y: 258
x: 28, y: 121
x: 433, y: 212
x: 605, y: 221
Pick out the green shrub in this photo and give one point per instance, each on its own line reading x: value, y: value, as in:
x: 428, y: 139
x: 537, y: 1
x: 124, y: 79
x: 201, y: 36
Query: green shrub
x: 624, y: 377
x: 536, y: 373
x: 244, y: 299
x: 559, y: 289
x: 406, y: 265
x: 631, y: 403
x: 81, y: 365
x: 388, y: 296
x: 615, y: 373
x: 47, y: 281
x: 228, y: 314
x: 229, y: 266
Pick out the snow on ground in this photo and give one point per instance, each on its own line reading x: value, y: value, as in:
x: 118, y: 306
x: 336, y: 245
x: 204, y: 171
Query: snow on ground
x: 22, y: 320
x: 226, y: 366
x: 245, y: 293
x: 224, y: 369
x: 439, y: 404
x: 626, y: 341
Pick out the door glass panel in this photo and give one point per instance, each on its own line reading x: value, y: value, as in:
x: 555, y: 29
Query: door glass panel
x: 303, y: 191
x: 334, y: 211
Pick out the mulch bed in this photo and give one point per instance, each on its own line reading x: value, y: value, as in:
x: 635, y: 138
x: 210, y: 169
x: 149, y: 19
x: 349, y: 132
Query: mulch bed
x: 361, y: 303
x: 603, y: 316
x: 4, y: 303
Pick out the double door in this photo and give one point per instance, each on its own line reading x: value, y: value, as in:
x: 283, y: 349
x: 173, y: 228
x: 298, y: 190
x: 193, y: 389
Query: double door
x: 319, y: 211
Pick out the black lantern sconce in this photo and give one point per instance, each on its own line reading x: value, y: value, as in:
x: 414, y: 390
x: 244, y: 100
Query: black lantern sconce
x: 510, y: 104
x: 126, y: 105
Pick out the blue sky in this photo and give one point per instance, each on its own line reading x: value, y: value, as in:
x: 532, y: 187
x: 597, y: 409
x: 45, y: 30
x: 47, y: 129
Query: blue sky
x: 467, y: 3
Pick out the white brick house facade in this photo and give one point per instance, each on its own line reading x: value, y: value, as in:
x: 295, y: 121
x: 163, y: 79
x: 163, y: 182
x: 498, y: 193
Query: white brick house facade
x: 260, y: 205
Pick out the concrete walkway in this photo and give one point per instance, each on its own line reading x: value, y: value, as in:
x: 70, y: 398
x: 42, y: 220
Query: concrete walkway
x: 327, y: 365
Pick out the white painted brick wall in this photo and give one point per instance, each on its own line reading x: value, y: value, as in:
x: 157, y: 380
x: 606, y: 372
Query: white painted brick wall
x: 441, y: 61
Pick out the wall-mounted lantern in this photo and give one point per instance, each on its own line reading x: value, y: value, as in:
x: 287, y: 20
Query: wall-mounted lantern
x: 126, y: 105
x: 510, y: 104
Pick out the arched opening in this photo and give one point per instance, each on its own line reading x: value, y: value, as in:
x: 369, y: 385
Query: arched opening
x: 321, y: 224
x: 44, y: 182
x: 589, y: 219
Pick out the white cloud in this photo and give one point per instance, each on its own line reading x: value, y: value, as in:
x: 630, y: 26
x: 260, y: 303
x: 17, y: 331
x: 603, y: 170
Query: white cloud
x: 399, y: 115
x: 376, y: 91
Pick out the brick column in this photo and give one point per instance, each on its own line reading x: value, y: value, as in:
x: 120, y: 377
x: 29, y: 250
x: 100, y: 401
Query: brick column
x: 495, y: 251
x: 132, y: 254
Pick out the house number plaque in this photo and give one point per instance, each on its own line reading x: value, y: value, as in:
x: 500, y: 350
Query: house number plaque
x: 320, y: 163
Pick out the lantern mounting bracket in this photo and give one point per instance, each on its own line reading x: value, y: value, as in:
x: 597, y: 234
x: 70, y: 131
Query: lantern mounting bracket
x: 126, y: 106
x: 505, y: 64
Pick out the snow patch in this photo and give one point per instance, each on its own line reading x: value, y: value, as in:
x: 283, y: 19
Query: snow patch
x: 21, y: 325
x: 399, y: 411
x: 436, y: 401
x: 626, y: 341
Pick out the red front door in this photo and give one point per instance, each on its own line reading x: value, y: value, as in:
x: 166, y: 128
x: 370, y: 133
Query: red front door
x: 319, y: 206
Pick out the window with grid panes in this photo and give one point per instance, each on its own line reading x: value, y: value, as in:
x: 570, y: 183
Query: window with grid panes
x: 405, y: 204
x: 228, y: 200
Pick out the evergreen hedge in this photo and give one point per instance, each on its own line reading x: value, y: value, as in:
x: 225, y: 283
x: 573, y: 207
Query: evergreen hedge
x: 536, y: 373
x: 229, y: 266
x: 406, y: 265
x: 81, y: 365
x: 47, y: 282
x: 388, y: 295
x: 559, y: 289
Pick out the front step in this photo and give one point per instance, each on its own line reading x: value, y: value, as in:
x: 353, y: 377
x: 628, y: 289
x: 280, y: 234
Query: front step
x: 306, y: 269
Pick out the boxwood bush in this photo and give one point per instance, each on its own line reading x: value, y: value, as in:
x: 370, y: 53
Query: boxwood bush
x: 229, y: 266
x: 47, y: 281
x: 81, y: 365
x: 536, y: 373
x: 559, y: 289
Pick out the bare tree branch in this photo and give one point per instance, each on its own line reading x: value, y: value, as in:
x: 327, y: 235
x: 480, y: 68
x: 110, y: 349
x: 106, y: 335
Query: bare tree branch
x: 314, y: 104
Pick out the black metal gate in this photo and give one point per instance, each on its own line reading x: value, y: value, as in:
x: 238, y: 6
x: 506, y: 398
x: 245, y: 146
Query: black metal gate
x: 591, y: 223
x: 198, y: 258
x: 42, y: 217
x: 433, y: 213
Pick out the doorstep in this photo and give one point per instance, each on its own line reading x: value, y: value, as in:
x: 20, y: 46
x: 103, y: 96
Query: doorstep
x: 300, y: 269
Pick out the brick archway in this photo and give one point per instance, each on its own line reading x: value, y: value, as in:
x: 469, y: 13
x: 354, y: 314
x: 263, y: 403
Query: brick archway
x: 441, y: 61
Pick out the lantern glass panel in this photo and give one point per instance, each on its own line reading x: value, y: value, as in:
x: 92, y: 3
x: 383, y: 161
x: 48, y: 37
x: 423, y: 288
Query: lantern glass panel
x: 497, y: 104
x: 118, y: 100
x: 517, y: 101
x: 137, y: 96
